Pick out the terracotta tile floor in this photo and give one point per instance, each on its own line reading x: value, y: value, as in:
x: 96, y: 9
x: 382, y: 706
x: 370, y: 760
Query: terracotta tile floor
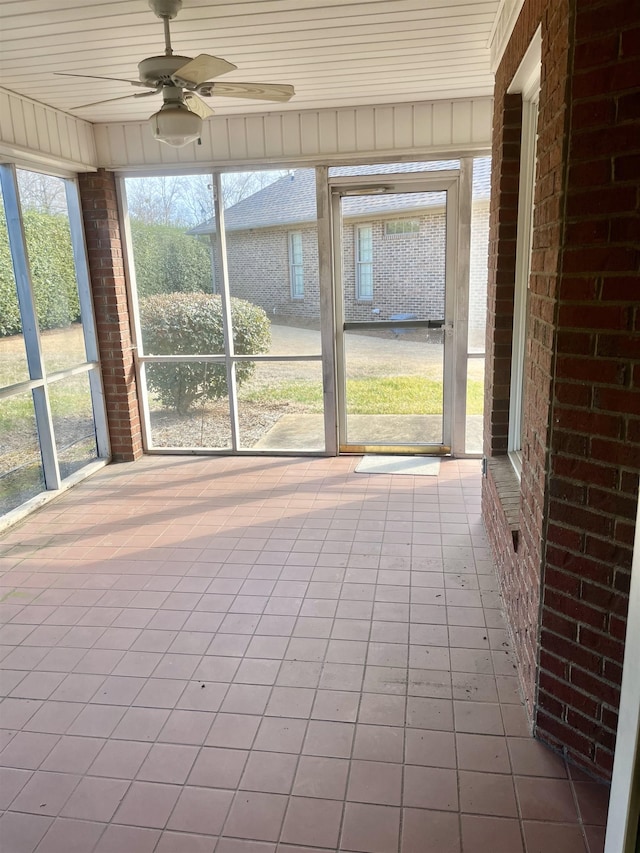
x: 261, y: 655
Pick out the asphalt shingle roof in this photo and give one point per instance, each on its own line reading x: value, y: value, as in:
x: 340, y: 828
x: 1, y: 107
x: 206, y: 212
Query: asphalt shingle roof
x: 291, y: 200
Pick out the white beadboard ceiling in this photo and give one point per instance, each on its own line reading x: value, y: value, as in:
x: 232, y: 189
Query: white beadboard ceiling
x: 335, y: 52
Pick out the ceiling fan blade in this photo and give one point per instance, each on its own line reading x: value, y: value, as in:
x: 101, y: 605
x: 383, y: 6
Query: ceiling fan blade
x: 121, y: 98
x: 202, y: 68
x: 197, y: 105
x: 260, y: 91
x: 96, y: 77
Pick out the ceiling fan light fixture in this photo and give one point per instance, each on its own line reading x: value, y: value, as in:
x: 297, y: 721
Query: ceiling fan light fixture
x: 175, y: 125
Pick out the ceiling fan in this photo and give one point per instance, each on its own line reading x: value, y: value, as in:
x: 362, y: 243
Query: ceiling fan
x: 182, y: 81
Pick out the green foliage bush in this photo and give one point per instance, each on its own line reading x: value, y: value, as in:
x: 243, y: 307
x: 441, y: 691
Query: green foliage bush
x: 52, y: 271
x: 168, y: 261
x: 191, y: 324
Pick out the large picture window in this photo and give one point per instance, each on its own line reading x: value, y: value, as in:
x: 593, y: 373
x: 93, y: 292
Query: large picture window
x: 364, y: 262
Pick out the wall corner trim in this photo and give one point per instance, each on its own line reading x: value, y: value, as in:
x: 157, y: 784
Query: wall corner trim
x: 503, y: 26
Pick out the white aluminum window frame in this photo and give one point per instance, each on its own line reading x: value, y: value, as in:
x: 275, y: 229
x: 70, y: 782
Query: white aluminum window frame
x: 296, y: 265
x: 40, y: 381
x: 527, y: 83
x: 228, y: 357
x: 622, y: 833
x: 361, y: 263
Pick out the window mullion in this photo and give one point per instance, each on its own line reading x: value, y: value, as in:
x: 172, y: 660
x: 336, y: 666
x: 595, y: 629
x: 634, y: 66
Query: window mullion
x: 29, y: 320
x: 78, y: 246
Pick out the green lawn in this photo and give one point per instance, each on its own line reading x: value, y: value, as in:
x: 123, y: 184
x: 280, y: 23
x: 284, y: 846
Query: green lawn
x: 69, y: 398
x: 398, y: 395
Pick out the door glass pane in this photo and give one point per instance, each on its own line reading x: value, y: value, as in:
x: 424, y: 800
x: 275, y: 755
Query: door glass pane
x: 53, y: 273
x: 394, y: 269
x: 73, y: 424
x: 189, y: 405
x: 13, y: 357
x: 272, y: 254
x: 280, y: 407
x: 394, y: 388
x: 21, y: 474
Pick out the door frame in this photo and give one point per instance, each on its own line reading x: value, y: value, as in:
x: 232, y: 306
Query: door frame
x: 623, y: 835
x: 449, y: 182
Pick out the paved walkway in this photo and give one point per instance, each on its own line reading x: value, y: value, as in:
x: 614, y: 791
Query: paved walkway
x: 306, y: 432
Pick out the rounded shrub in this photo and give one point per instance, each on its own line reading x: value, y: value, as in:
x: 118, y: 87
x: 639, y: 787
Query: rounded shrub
x: 191, y: 324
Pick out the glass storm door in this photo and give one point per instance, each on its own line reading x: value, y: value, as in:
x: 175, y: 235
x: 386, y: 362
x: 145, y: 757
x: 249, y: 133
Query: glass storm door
x: 394, y: 240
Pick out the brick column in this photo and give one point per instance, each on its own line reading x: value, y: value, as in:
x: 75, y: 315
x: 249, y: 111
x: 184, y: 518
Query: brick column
x: 502, y: 269
x: 594, y: 436
x: 516, y: 533
x: 106, y: 266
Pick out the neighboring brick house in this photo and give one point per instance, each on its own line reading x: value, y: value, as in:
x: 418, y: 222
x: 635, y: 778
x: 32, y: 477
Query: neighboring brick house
x: 393, y: 251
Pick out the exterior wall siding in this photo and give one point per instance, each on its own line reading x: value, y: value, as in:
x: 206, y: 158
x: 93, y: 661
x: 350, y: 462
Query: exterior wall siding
x: 566, y: 586
x: 50, y: 138
x: 426, y: 129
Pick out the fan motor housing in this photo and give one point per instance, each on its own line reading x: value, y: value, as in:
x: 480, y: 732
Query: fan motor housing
x: 158, y: 69
x: 165, y: 8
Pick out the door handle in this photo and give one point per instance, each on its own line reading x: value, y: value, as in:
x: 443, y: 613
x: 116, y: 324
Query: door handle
x: 447, y: 328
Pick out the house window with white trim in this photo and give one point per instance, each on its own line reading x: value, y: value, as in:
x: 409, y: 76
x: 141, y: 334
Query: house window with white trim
x: 296, y: 268
x: 401, y: 227
x: 527, y: 82
x: 364, y: 263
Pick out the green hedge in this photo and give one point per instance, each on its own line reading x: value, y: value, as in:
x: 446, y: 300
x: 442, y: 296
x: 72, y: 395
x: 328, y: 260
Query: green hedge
x: 191, y: 324
x: 168, y: 261
x: 52, y: 271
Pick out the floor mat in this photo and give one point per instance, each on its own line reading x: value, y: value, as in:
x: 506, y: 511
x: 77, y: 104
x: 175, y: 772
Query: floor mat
x: 415, y: 465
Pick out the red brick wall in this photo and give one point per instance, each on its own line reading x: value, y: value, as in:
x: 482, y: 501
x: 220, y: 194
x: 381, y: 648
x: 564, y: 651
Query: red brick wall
x: 520, y: 572
x: 581, y: 447
x: 104, y: 246
x: 595, y: 438
x: 503, y: 216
